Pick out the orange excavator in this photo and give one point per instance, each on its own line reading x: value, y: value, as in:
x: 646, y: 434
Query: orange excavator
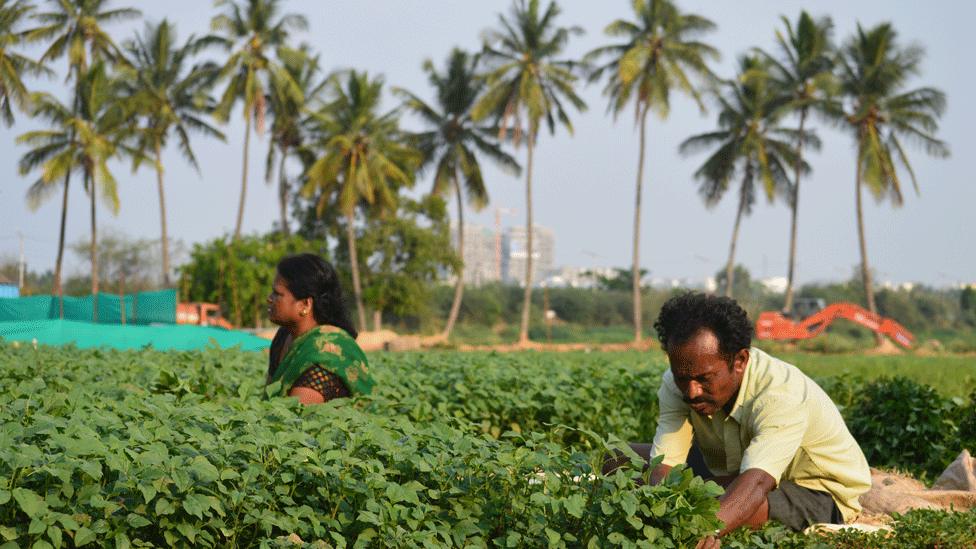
x: 201, y: 314
x: 814, y: 317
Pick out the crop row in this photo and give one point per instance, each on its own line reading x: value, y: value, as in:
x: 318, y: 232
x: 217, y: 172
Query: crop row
x: 145, y: 448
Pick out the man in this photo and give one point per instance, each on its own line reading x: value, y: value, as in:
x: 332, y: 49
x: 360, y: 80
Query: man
x: 765, y: 431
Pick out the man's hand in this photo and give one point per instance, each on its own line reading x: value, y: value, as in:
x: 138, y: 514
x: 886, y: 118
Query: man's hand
x: 711, y: 542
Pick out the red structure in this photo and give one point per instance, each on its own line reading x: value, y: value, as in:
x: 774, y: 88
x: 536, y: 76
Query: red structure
x: 201, y: 314
x: 774, y: 325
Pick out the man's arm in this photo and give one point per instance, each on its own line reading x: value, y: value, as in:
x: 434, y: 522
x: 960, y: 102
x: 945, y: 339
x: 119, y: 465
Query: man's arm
x: 658, y: 474
x: 744, y: 502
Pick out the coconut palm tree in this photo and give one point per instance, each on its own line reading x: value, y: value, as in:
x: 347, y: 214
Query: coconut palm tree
x: 453, y: 144
x: 526, y: 84
x: 168, y: 96
x: 252, y: 31
x: 881, y: 113
x: 750, y: 143
x: 660, y: 51
x: 76, y: 30
x: 361, y: 158
x: 291, y: 117
x: 83, y: 139
x: 803, y: 70
x: 13, y: 65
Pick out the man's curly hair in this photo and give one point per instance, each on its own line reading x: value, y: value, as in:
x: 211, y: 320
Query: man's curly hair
x: 683, y: 315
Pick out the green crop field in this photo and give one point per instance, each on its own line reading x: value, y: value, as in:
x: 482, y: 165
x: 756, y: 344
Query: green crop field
x: 144, y: 448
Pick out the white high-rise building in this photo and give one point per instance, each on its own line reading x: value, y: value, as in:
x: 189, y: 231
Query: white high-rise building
x: 480, y: 265
x: 514, y: 254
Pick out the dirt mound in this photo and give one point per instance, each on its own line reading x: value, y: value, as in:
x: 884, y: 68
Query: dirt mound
x: 644, y: 345
x: 893, y: 493
x: 886, y: 348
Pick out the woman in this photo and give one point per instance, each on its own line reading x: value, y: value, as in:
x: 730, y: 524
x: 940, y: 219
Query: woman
x: 314, y: 355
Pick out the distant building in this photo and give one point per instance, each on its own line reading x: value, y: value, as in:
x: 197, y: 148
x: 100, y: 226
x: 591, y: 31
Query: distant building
x: 578, y: 277
x: 775, y: 284
x: 480, y: 263
x: 898, y: 286
x: 514, y: 254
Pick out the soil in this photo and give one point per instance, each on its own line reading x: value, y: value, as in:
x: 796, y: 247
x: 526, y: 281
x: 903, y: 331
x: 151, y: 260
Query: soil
x: 886, y: 348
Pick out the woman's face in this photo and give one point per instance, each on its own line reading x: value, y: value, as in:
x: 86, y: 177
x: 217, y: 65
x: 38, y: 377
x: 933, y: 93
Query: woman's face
x: 283, y: 308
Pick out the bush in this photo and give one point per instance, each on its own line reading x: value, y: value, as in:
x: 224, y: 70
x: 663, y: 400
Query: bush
x: 903, y: 424
x: 967, y: 424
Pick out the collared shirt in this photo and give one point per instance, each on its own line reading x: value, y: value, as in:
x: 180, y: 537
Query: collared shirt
x: 782, y: 422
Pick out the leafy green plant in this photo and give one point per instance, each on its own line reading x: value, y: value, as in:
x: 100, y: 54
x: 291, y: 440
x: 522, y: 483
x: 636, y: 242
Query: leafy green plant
x: 901, y: 423
x: 138, y: 448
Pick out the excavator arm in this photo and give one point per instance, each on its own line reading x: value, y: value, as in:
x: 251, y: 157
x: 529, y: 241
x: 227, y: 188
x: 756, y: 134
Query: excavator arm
x: 773, y: 325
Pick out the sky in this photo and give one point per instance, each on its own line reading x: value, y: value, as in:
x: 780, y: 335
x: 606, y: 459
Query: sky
x: 583, y: 187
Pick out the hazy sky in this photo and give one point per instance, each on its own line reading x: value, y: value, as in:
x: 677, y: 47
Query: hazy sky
x: 583, y: 184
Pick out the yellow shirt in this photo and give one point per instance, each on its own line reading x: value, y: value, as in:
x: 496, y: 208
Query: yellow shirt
x: 782, y: 423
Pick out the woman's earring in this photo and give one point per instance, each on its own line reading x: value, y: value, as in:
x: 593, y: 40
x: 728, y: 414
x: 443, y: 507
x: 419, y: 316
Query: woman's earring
x: 304, y: 312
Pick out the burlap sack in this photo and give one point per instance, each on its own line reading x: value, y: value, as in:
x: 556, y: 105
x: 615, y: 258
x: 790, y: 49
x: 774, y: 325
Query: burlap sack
x: 960, y: 475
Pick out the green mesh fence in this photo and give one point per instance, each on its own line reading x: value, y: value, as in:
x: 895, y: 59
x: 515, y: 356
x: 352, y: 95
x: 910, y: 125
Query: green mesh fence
x: 133, y: 336
x: 139, y: 308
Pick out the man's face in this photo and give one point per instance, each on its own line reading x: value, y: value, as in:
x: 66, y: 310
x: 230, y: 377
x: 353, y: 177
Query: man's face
x: 707, y: 380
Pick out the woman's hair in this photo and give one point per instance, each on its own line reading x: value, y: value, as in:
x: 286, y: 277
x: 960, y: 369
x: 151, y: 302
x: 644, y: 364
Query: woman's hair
x: 683, y: 315
x: 308, y: 275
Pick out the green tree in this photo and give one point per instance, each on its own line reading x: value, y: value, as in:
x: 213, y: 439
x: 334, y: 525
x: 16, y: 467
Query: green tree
x: 660, y: 48
x: 361, y: 158
x: 74, y: 30
x: 168, y: 96
x: 880, y: 113
x: 13, y: 65
x: 84, y: 139
x: 125, y: 264
x: 237, y: 275
x: 454, y: 143
x: 622, y: 280
x: 750, y: 143
x: 251, y: 31
x: 403, y: 255
x: 526, y: 84
x: 291, y: 117
x: 803, y: 70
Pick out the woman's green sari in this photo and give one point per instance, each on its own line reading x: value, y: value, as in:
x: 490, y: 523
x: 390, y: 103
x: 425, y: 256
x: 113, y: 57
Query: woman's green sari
x: 332, y: 349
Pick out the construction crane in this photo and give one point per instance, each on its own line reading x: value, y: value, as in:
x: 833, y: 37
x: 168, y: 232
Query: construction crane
x: 776, y: 325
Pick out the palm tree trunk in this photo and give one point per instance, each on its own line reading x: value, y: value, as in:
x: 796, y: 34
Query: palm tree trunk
x: 788, y: 300
x: 240, y: 207
x: 459, y: 286
x: 162, y: 213
x: 865, y: 268
x: 58, y: 289
x: 635, y: 269
x: 283, y: 193
x: 527, y: 299
x: 94, y: 248
x: 354, y: 265
x: 730, y: 265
